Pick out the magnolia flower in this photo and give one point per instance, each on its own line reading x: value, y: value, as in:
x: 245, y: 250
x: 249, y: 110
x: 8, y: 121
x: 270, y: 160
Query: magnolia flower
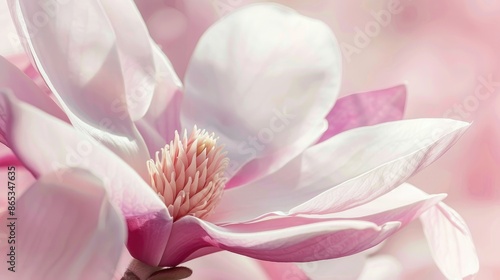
x: 357, y: 110
x: 77, y: 202
x: 246, y: 157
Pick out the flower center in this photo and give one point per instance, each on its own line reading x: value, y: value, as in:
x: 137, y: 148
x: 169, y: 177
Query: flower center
x: 189, y: 177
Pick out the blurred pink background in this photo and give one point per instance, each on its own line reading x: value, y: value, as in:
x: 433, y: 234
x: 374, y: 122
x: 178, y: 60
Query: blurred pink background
x: 446, y: 52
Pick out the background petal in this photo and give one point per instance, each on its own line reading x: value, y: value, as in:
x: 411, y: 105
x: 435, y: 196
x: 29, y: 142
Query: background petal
x: 366, y: 108
x: 450, y: 242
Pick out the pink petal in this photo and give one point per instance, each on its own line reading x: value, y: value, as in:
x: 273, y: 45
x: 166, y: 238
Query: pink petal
x: 450, y: 242
x: 263, y: 86
x: 400, y: 205
x: 366, y: 108
x: 23, y: 63
x: 23, y: 180
x: 347, y: 170
x: 66, y: 228
x: 7, y: 157
x: 316, y: 240
x: 123, y: 264
x: 154, y: 141
x: 164, y: 112
x: 135, y: 52
x: 15, y: 81
x: 45, y: 144
x: 21, y: 60
x: 76, y: 54
x: 403, y: 204
x: 163, y: 117
x: 9, y: 44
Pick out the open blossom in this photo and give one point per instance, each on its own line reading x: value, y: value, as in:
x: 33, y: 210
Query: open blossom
x: 248, y: 156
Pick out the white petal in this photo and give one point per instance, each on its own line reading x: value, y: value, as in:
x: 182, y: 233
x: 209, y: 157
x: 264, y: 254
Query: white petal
x: 57, y: 146
x: 74, y: 47
x: 163, y: 116
x: 134, y: 47
x: 450, y: 242
x: 347, y: 170
x: 263, y: 79
x: 314, y: 239
x: 66, y: 228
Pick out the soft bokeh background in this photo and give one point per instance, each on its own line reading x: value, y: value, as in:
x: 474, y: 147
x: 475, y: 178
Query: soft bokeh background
x: 446, y: 52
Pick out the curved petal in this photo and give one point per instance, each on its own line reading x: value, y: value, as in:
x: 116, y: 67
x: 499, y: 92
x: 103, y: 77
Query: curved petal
x: 57, y: 146
x: 319, y: 239
x: 9, y: 44
x: 366, y: 108
x: 123, y: 264
x: 135, y: 52
x: 23, y: 180
x: 23, y: 63
x: 164, y: 112
x: 403, y: 204
x: 66, y: 228
x: 262, y: 79
x: 162, y: 119
x: 22, y: 177
x: 154, y: 141
x: 75, y: 51
x: 450, y: 242
x: 347, y: 170
x: 12, y: 79
x: 7, y: 157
